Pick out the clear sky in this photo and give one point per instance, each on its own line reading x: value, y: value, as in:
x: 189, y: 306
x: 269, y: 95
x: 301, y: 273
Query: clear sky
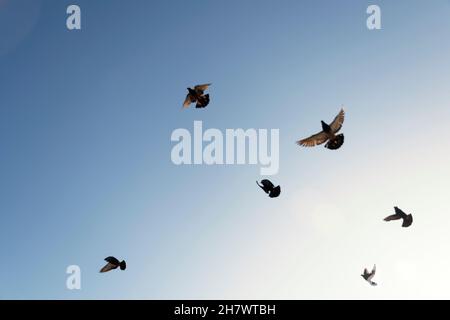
x: 85, y: 172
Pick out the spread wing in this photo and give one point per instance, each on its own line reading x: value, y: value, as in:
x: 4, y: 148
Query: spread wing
x: 336, y: 125
x: 399, y: 212
x: 112, y: 260
x: 314, y: 140
x: 189, y: 99
x: 392, y: 217
x: 108, y: 267
x: 372, y: 274
x: 202, y: 87
x: 266, y: 183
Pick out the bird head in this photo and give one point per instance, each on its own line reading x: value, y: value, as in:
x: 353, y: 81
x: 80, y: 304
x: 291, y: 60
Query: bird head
x: 325, y: 126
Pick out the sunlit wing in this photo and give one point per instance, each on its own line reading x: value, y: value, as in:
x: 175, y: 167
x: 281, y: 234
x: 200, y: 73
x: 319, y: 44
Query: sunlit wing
x: 336, y: 125
x: 187, y: 102
x: 314, y: 140
x: 108, y: 267
x: 201, y: 87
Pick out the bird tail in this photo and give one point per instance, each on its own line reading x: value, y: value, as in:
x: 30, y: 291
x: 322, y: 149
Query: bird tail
x: 202, y: 101
x: 123, y: 265
x: 336, y: 142
x: 275, y: 192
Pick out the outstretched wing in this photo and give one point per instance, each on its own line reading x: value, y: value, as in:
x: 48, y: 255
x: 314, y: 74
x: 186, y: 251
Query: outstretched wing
x: 336, y: 125
x: 372, y: 274
x: 400, y: 212
x: 201, y: 87
x: 267, y: 183
x: 189, y: 99
x: 392, y: 217
x: 112, y: 260
x: 108, y: 267
x: 314, y: 140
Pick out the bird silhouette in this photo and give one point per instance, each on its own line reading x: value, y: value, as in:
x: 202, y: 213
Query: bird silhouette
x: 328, y: 133
x: 112, y: 264
x: 399, y: 214
x: 368, y: 276
x: 197, y: 96
x: 269, y: 188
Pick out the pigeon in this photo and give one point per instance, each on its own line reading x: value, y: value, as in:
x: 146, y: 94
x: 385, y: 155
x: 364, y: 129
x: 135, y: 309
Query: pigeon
x: 328, y: 133
x: 197, y: 96
x: 399, y: 214
x: 269, y: 188
x: 112, y: 264
x: 368, y: 276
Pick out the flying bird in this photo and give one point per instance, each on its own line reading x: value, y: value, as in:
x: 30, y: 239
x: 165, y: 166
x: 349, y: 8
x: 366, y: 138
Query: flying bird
x: 328, y: 133
x: 112, y: 264
x: 269, y: 188
x: 197, y: 96
x: 368, y: 276
x: 399, y: 214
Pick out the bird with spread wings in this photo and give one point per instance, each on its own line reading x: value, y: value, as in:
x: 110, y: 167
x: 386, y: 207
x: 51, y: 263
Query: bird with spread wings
x: 399, y: 214
x: 198, y: 96
x: 113, y: 263
x: 369, y: 275
x: 269, y: 188
x: 328, y: 133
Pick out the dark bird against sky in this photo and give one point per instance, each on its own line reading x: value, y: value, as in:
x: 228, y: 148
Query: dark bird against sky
x: 197, y: 96
x: 269, y: 188
x: 399, y: 214
x: 112, y: 264
x: 368, y: 276
x: 328, y: 133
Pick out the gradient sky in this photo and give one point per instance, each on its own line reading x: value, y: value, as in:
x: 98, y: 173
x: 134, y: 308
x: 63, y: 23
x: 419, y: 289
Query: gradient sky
x: 85, y: 170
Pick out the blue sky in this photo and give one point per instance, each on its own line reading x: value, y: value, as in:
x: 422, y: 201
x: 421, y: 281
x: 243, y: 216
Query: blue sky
x: 85, y: 124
